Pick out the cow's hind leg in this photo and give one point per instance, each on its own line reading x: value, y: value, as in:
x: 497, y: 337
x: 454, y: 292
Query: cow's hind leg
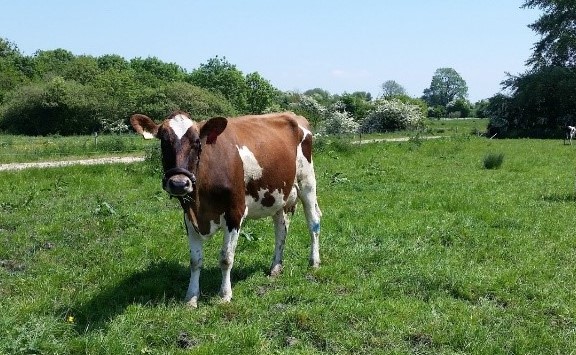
x: 281, y: 225
x: 307, y: 194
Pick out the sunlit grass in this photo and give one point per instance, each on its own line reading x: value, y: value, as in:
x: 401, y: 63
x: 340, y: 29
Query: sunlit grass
x: 423, y: 250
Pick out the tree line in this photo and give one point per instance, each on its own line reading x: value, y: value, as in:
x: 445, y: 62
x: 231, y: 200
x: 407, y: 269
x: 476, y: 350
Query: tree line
x: 57, y: 92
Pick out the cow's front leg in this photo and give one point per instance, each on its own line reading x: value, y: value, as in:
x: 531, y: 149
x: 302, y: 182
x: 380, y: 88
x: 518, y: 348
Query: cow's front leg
x: 196, y: 258
x: 227, y: 261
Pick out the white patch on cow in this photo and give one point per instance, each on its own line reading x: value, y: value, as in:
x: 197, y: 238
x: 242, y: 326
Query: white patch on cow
x: 180, y: 124
x: 255, y: 209
x: 147, y: 135
x: 214, y: 227
x: 252, y: 169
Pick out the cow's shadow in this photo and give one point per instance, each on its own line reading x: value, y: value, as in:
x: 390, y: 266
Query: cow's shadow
x: 160, y: 283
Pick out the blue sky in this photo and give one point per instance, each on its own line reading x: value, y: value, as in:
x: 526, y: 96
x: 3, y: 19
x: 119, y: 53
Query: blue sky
x: 340, y: 46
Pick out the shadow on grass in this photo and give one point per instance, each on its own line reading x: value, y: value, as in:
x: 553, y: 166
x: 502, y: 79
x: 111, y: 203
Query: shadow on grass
x: 560, y: 197
x: 161, y: 283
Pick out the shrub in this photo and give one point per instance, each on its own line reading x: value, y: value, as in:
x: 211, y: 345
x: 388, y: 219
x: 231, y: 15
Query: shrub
x: 493, y: 160
x: 393, y: 115
x: 337, y: 123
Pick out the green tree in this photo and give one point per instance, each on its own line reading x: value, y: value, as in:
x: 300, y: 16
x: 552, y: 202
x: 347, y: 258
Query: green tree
x: 357, y: 104
x: 153, y: 72
x: 543, y: 99
x: 557, y: 30
x: 218, y: 75
x: 82, y: 69
x: 322, y: 96
x: 391, y: 88
x: 10, y: 74
x: 52, y: 62
x: 446, y: 86
x: 260, y: 93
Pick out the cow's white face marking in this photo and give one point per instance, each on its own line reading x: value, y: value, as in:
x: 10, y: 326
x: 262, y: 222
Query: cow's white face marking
x: 252, y: 170
x: 180, y: 124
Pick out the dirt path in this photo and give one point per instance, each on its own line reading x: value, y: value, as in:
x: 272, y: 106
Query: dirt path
x: 52, y: 164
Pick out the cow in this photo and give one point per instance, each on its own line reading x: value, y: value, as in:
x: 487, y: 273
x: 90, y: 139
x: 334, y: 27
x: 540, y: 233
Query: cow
x: 570, y: 133
x: 224, y: 170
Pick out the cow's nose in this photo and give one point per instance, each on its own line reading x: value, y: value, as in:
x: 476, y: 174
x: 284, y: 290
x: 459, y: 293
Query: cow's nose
x: 180, y: 186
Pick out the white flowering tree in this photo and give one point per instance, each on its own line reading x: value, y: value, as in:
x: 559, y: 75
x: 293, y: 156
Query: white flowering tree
x: 393, y: 115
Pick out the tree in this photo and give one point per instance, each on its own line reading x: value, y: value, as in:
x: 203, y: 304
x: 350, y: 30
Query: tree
x: 218, y: 75
x: 542, y: 100
x: 391, y: 88
x: 357, y: 104
x: 557, y: 28
x: 52, y: 63
x: 10, y: 73
x: 446, y: 86
x: 260, y: 93
x: 153, y: 72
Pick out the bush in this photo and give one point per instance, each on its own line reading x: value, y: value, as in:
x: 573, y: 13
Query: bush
x: 56, y: 107
x: 337, y: 123
x: 393, y: 115
x: 493, y: 160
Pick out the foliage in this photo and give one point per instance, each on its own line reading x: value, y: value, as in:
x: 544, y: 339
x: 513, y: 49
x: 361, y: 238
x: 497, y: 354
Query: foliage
x: 459, y: 108
x: 260, y: 94
x: 556, y: 28
x: 541, y: 104
x: 199, y: 102
x: 392, y: 115
x: 391, y: 89
x: 357, y: 105
x: 542, y: 100
x: 446, y: 86
x: 219, y: 75
x: 58, y: 106
x: 336, y: 123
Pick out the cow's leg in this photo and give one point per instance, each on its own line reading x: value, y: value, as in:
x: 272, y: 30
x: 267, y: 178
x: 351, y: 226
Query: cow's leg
x: 196, y: 257
x: 307, y: 194
x: 281, y: 224
x: 227, y: 261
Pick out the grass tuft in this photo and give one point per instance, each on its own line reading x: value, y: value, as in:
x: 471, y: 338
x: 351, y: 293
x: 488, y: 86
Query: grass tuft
x: 493, y: 160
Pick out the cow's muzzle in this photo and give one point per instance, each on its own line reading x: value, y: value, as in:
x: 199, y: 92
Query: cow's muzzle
x: 178, y: 182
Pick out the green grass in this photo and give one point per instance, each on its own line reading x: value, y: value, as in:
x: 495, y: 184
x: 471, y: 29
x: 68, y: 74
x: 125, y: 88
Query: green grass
x: 15, y: 149
x: 423, y: 250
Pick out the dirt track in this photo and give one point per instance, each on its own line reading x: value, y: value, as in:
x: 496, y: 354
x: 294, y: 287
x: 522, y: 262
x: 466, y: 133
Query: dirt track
x: 53, y: 164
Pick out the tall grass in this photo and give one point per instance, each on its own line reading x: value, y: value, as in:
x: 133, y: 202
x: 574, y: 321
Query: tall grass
x: 423, y: 251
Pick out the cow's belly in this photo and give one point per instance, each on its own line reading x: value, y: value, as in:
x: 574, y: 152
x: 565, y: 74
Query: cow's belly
x: 267, y: 204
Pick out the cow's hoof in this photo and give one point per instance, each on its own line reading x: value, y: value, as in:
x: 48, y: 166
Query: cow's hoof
x: 315, y: 264
x: 276, y: 270
x: 192, y: 303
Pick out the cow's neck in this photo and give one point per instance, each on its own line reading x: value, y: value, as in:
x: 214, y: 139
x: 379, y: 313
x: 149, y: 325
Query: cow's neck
x: 190, y: 205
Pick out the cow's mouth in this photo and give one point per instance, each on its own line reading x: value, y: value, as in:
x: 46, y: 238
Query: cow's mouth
x: 178, y: 182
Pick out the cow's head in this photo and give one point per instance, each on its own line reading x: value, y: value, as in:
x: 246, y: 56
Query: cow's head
x: 181, y: 144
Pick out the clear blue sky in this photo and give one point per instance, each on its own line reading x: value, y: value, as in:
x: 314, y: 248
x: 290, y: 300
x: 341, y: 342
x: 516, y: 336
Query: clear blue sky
x: 340, y: 46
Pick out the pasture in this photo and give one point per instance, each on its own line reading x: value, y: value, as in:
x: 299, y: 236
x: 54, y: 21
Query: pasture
x: 423, y: 251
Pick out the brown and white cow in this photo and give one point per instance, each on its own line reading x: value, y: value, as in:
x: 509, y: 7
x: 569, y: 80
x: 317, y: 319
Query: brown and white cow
x: 225, y: 170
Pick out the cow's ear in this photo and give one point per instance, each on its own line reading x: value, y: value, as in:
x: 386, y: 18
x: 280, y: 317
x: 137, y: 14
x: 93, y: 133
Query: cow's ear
x: 212, y: 128
x: 144, y: 125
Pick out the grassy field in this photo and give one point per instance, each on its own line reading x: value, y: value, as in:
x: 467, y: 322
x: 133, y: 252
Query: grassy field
x: 423, y: 249
x: 17, y: 149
